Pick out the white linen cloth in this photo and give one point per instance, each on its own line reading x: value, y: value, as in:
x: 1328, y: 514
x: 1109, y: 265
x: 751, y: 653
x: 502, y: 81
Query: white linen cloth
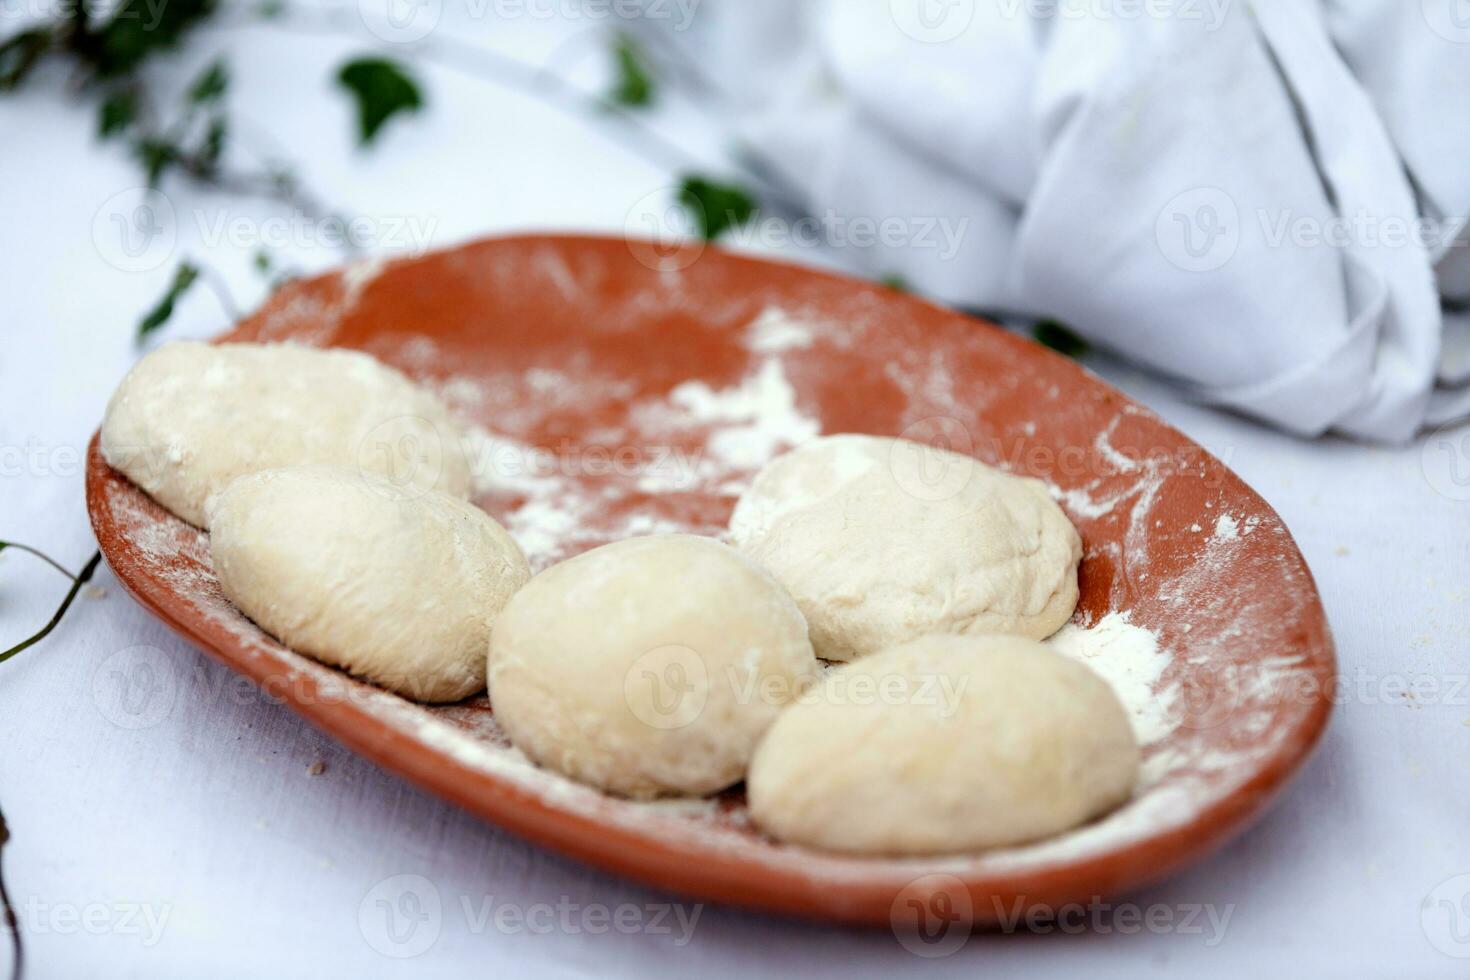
x: 1262, y: 201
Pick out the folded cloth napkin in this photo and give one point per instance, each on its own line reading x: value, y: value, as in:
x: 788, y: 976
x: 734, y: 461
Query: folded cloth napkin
x: 1263, y: 201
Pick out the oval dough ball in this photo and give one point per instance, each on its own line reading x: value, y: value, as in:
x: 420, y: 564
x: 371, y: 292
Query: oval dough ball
x: 395, y: 586
x: 881, y: 541
x: 648, y: 667
x: 945, y: 744
x: 191, y: 417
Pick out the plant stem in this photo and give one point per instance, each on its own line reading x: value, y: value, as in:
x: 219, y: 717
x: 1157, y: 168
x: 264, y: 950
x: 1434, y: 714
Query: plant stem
x: 12, y: 925
x: 76, y: 586
x: 39, y: 554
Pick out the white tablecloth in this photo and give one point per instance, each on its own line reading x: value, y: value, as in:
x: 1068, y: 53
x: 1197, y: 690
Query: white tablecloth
x: 183, y: 835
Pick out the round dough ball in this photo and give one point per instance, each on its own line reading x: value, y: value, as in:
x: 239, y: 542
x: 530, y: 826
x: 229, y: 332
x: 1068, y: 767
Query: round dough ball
x: 392, y: 585
x: 942, y: 745
x: 881, y: 541
x: 648, y: 667
x: 191, y: 417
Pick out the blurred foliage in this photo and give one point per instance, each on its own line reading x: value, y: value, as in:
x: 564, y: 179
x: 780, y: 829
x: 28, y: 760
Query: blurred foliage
x: 1060, y: 338
x: 184, y: 278
x: 633, y: 85
x: 106, y: 49
x: 715, y: 207
x: 382, y: 89
x: 102, y: 46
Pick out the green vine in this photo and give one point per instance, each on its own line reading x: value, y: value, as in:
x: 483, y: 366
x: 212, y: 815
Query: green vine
x: 77, y: 581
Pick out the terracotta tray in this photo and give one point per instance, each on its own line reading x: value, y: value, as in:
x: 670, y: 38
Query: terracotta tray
x: 637, y: 392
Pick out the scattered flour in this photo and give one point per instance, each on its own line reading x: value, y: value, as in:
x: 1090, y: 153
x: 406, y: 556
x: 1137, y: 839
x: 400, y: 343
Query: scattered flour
x: 1130, y: 659
x: 757, y: 418
x: 775, y: 332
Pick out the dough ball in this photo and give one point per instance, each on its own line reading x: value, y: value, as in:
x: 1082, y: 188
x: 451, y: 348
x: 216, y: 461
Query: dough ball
x: 396, y: 586
x: 648, y: 667
x: 942, y: 745
x: 191, y: 417
x: 882, y: 540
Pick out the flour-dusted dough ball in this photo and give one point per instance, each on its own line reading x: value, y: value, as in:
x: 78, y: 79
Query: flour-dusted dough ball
x: 191, y: 417
x: 942, y: 745
x: 395, y: 586
x: 883, y: 540
x: 648, y: 667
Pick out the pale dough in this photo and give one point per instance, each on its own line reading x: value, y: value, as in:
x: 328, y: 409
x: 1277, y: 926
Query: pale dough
x: 945, y: 744
x: 882, y: 540
x: 648, y: 667
x: 396, y: 586
x: 191, y: 417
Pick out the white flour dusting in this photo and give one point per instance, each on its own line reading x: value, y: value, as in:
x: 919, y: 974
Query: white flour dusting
x: 775, y: 332
x: 1129, y: 658
x: 758, y: 417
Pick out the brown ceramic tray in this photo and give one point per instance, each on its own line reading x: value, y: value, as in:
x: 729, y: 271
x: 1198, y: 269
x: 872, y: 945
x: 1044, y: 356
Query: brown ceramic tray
x: 602, y: 361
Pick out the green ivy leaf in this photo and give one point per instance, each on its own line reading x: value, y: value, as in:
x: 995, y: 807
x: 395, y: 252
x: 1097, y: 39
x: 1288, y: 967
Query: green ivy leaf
x: 634, y: 86
x: 382, y: 89
x: 897, y: 283
x: 716, y: 207
x: 20, y: 53
x: 211, y: 84
x: 156, y: 156
x: 137, y: 30
x: 213, y: 145
x: 1060, y: 338
x: 184, y: 277
x: 117, y: 112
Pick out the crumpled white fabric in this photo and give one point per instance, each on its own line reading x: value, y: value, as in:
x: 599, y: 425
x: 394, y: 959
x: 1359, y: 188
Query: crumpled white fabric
x: 1264, y: 201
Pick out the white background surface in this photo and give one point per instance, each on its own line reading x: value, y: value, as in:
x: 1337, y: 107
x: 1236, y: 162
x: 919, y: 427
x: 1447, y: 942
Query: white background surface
x: 197, y: 805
